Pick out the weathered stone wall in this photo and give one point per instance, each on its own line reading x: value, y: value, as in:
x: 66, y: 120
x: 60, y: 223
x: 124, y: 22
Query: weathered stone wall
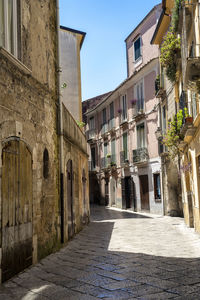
x: 28, y: 111
x: 75, y: 149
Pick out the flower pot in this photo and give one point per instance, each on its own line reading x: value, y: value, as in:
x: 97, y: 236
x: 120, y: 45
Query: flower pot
x: 189, y: 120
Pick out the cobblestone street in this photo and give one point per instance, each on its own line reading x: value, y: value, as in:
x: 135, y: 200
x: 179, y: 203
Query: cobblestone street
x: 120, y: 255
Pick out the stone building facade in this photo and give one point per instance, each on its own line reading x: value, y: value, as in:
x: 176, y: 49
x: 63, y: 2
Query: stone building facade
x: 34, y: 218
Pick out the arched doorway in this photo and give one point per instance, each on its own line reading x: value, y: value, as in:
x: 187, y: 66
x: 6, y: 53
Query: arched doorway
x: 71, y: 227
x: 16, y: 192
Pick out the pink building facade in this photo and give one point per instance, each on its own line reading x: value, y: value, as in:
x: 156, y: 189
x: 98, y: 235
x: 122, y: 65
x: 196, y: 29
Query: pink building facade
x: 125, y: 166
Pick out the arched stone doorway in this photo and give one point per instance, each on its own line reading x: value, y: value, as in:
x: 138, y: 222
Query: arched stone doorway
x: 16, y: 192
x: 70, y: 213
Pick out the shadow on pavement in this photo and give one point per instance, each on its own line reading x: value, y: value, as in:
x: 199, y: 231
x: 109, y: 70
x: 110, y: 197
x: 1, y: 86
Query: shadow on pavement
x: 86, y: 269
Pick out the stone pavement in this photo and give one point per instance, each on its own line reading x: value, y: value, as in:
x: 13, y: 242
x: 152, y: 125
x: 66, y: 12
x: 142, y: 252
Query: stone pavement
x: 120, y: 255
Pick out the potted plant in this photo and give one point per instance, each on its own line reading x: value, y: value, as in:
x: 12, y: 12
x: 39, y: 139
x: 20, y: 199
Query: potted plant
x: 133, y: 101
x: 188, y: 118
x: 119, y: 110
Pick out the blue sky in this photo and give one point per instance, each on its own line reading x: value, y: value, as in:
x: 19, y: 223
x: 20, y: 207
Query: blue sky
x: 107, y: 23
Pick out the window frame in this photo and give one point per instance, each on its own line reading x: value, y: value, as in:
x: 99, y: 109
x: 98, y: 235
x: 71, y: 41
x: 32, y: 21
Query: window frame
x: 14, y: 27
x: 140, y: 49
x: 139, y: 95
x: 142, y: 124
x: 124, y: 113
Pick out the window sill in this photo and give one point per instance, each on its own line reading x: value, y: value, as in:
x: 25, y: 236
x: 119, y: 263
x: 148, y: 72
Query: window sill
x: 158, y: 200
x: 138, y: 62
x: 15, y: 61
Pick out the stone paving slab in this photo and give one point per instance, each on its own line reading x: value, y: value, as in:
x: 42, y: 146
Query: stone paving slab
x: 119, y: 255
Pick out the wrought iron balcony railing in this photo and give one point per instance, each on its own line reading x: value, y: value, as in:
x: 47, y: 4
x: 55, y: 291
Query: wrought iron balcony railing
x: 104, y: 129
x: 104, y: 162
x: 124, y: 157
x: 91, y: 134
x: 112, y: 125
x: 140, y: 155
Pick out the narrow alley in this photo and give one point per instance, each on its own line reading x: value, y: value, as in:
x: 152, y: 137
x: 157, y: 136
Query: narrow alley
x: 119, y: 255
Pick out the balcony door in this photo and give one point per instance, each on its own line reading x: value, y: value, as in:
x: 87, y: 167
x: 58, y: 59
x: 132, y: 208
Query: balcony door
x: 144, y: 192
x: 93, y: 158
x: 125, y: 146
x: 141, y: 143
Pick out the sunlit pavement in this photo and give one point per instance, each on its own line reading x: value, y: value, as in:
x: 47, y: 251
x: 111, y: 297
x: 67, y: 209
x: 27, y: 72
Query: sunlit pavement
x: 120, y: 255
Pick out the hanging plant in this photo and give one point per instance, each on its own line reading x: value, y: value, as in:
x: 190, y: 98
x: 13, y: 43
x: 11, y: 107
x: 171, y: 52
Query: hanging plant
x: 174, y: 136
x: 133, y: 101
x: 175, y: 15
x: 170, y: 47
x: 119, y: 110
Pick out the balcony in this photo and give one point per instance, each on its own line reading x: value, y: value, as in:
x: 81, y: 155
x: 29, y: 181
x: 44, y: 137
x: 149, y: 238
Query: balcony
x: 109, y: 162
x: 124, y: 158
x: 192, y: 71
x: 104, y: 130
x: 139, y: 114
x: 92, y: 166
x: 111, y: 126
x: 91, y: 135
x: 104, y: 163
x: 140, y: 156
x: 159, y: 87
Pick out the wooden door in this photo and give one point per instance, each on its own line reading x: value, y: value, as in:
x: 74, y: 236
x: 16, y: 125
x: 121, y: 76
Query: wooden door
x: 70, y: 199
x: 16, y: 208
x: 144, y: 192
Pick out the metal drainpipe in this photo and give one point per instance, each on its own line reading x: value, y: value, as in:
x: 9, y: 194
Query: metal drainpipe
x: 60, y: 125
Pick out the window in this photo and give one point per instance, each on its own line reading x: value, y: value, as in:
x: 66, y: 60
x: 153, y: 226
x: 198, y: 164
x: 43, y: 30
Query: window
x: 8, y: 25
x: 141, y: 136
x: 125, y: 145
x: 124, y: 108
x: 164, y: 119
x: 45, y: 164
x: 194, y: 105
x: 91, y: 123
x: 139, y: 94
x: 157, y: 192
x: 105, y: 149
x: 93, y: 158
x: 113, y: 156
x: 111, y: 111
x: 137, y: 49
x: 104, y: 119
